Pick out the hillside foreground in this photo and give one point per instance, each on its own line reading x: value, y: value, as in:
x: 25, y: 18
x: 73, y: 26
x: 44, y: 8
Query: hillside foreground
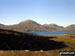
x: 23, y: 44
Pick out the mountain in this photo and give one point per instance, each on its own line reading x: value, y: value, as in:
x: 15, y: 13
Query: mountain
x: 24, y: 26
x: 47, y: 27
x: 28, y: 26
x: 32, y: 26
x: 56, y: 26
x: 28, y: 22
x: 70, y: 28
x: 52, y: 27
x: 1, y: 25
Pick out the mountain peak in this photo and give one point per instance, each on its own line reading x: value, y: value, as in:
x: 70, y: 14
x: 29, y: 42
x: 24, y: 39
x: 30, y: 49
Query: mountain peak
x: 27, y: 21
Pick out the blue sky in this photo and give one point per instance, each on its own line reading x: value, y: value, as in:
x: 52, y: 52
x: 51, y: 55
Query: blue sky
x: 61, y: 12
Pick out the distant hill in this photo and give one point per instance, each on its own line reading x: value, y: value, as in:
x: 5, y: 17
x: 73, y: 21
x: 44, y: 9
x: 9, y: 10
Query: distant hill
x: 70, y: 28
x: 24, y: 26
x: 56, y: 26
x: 32, y: 26
x: 47, y: 27
x: 29, y: 26
x: 53, y: 26
x: 1, y: 25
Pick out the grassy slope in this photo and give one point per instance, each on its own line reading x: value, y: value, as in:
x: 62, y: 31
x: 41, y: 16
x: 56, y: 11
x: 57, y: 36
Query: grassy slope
x: 70, y: 42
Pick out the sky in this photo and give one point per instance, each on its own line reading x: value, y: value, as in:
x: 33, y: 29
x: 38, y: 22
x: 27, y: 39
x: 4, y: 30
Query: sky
x: 60, y: 12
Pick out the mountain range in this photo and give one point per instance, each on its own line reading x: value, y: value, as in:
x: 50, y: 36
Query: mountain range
x: 32, y: 26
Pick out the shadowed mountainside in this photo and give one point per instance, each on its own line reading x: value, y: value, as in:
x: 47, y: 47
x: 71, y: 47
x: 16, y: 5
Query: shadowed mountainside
x: 12, y: 40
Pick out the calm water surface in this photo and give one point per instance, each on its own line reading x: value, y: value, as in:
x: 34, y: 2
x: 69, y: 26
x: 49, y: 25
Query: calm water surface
x: 52, y: 33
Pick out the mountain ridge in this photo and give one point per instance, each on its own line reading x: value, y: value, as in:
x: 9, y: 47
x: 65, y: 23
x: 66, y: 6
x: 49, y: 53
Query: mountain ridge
x: 32, y: 26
